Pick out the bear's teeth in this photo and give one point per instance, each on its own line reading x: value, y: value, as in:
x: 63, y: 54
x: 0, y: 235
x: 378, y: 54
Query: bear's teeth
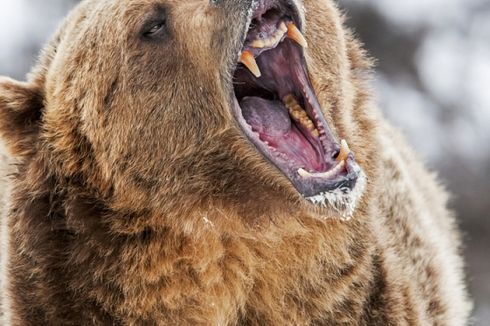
x: 302, y: 172
x: 283, y: 27
x: 300, y: 115
x: 248, y: 59
x: 289, y: 100
x: 273, y: 40
x: 344, y: 151
x: 295, y: 34
x: 328, y: 174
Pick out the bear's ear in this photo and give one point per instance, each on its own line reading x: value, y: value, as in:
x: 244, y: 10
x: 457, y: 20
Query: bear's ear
x: 20, y: 113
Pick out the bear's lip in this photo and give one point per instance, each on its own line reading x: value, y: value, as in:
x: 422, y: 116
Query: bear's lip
x: 277, y: 108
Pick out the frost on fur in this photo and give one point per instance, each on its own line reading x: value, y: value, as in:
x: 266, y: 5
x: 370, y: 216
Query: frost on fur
x: 342, y: 200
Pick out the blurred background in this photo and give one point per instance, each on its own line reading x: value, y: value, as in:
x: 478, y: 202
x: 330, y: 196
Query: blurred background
x: 432, y: 81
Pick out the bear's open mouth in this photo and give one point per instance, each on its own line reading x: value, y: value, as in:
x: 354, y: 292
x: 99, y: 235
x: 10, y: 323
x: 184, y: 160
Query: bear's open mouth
x: 278, y: 110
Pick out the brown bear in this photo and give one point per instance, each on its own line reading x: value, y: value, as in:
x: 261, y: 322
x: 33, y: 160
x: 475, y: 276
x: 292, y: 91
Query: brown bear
x: 216, y: 162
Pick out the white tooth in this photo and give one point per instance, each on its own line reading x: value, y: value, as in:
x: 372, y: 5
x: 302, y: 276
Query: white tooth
x: 277, y: 38
x: 258, y: 44
x: 283, y: 27
x: 302, y: 172
x: 269, y: 42
x: 334, y: 171
x: 279, y: 34
x: 344, y: 151
x: 328, y: 174
x: 273, y: 40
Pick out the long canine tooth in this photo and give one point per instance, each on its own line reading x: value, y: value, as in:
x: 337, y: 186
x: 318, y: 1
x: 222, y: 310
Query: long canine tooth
x: 295, y: 34
x: 248, y: 59
x: 344, y: 151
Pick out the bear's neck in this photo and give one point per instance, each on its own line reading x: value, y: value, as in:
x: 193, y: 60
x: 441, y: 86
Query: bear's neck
x: 205, y: 266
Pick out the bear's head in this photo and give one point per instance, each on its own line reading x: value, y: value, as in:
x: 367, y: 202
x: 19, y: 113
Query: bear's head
x: 164, y: 107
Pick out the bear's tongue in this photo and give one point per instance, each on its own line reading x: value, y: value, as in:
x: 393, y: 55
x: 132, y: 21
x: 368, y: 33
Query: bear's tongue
x: 271, y: 121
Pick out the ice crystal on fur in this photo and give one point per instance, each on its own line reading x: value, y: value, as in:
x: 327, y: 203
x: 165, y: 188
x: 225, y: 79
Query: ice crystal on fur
x: 343, y: 200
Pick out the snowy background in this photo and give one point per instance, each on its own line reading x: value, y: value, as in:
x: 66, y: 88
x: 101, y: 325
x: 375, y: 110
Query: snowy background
x: 433, y: 81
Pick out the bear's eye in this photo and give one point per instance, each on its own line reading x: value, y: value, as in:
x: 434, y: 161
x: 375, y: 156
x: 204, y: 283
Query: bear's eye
x: 154, y: 29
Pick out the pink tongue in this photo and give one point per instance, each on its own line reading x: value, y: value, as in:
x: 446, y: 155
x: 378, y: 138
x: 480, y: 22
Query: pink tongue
x: 270, y: 119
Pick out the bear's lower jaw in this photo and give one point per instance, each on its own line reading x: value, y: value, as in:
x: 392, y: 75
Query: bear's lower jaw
x: 278, y: 110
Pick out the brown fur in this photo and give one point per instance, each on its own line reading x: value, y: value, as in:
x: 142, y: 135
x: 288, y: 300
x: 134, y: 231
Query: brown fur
x: 136, y: 199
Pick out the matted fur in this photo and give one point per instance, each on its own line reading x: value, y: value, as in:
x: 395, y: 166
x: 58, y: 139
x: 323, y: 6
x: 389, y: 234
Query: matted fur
x: 137, y: 200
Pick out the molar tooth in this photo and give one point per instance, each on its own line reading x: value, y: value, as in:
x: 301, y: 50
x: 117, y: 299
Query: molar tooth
x: 315, y: 133
x: 248, y: 59
x: 289, y: 100
x: 344, y: 151
x: 295, y: 34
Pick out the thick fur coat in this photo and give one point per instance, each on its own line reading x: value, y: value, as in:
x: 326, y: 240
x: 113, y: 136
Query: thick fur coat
x: 136, y: 199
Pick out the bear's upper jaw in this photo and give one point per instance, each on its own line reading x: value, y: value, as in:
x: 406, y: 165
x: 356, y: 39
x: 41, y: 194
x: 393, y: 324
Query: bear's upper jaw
x: 278, y: 110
